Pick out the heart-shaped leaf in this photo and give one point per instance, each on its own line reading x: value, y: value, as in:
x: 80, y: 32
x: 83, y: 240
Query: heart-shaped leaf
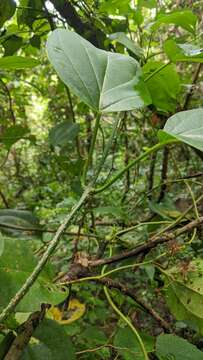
x: 103, y: 80
x: 187, y: 126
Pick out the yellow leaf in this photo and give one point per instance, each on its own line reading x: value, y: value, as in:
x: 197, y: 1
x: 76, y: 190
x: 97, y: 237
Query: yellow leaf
x: 75, y: 310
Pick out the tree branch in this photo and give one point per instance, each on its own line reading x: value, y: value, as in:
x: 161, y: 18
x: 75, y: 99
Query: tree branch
x: 152, y: 243
x: 24, y: 334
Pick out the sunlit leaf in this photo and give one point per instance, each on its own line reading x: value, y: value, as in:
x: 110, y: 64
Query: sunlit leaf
x: 186, y: 19
x: 17, y: 62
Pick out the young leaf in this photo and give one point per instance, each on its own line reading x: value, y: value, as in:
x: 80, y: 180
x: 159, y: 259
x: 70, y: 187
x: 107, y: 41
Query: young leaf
x: 103, y: 80
x: 171, y: 346
x: 17, y: 62
x: 187, y: 126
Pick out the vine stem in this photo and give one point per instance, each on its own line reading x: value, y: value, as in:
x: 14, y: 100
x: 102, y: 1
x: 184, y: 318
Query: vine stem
x: 122, y: 316
x: 132, y: 163
x: 127, y: 321
x: 55, y: 241
x: 157, y: 71
x: 31, y: 279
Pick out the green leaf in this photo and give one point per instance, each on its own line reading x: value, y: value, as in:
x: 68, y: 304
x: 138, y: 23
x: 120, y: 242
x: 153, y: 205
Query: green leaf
x: 21, y: 218
x: 63, y: 133
x: 37, y: 352
x: 35, y: 41
x: 6, y: 343
x: 164, y: 86
x: 54, y: 343
x: 12, y: 44
x: 123, y: 39
x: 150, y: 4
x: 94, y: 336
x: 7, y: 10
x: 12, y: 134
x: 183, y: 18
x: 16, y: 264
x: 128, y: 346
x: 17, y: 62
x: 187, y: 126
x: 1, y: 244
x: 115, y: 7
x: 184, y: 293
x: 181, y: 313
x: 163, y: 136
x: 174, y: 347
x: 183, y: 52
x: 103, y: 80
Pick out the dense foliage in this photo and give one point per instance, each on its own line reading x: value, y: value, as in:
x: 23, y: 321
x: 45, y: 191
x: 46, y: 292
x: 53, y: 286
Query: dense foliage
x: 101, y: 205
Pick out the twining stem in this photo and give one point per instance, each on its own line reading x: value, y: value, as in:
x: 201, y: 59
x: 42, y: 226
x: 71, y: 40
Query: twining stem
x: 134, y: 162
x: 122, y: 316
x: 92, y: 146
x: 127, y: 321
